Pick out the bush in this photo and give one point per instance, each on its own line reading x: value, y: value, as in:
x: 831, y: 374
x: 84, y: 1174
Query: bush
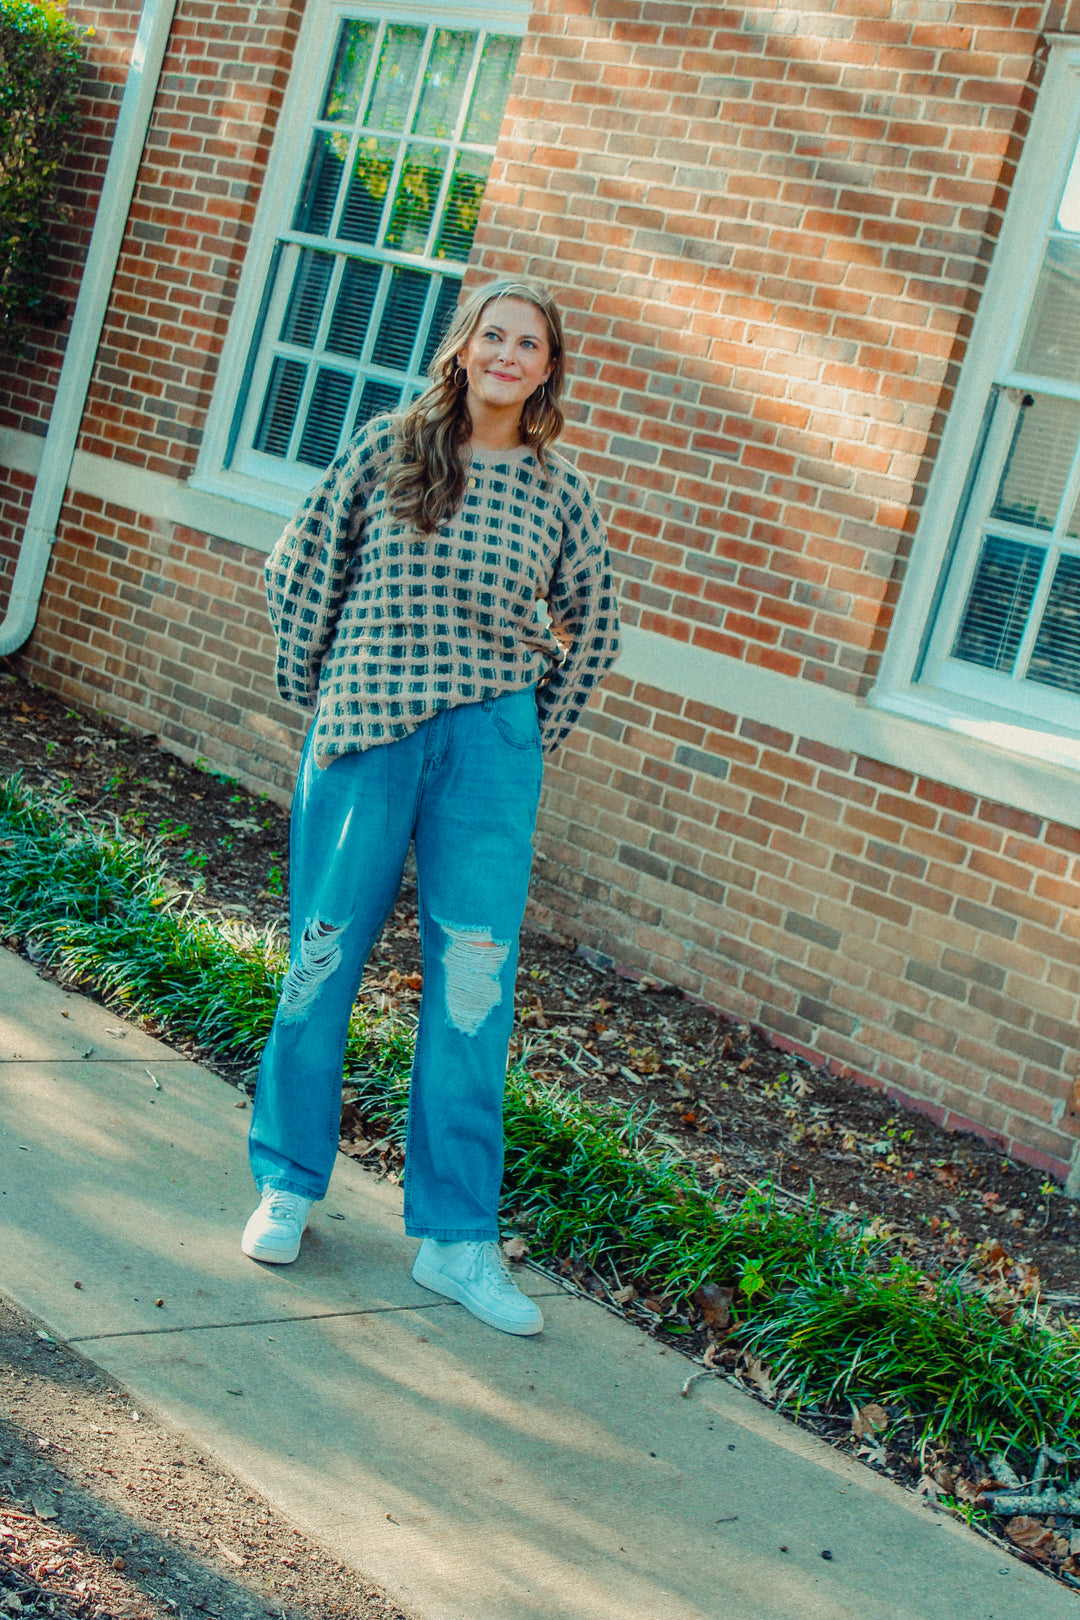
x: 41, y: 62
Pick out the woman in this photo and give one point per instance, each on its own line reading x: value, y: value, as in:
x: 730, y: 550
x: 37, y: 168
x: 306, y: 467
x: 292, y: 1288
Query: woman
x: 443, y: 599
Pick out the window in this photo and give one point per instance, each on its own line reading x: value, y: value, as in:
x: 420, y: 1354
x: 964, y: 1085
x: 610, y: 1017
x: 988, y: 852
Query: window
x: 995, y: 575
x: 373, y: 231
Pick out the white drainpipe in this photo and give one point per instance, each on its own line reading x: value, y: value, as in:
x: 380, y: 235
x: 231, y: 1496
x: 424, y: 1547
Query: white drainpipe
x: 125, y: 156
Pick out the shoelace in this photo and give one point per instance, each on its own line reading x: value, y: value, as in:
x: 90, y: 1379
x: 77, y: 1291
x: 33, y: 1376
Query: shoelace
x: 281, y: 1208
x: 495, y: 1266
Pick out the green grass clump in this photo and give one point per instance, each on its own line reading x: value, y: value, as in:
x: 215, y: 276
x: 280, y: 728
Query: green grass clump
x: 836, y: 1315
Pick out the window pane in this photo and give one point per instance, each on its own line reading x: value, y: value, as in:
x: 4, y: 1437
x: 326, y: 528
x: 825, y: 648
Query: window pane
x: 1038, y: 463
x: 492, y: 88
x: 999, y: 603
x: 445, y: 305
x: 279, y: 407
x: 352, y: 310
x: 392, y: 91
x: 326, y: 413
x: 345, y: 85
x: 315, y: 209
x: 417, y: 194
x: 306, y: 300
x: 376, y: 398
x: 444, y: 83
x: 367, y: 191
x: 1051, y: 344
x: 401, y: 319
x: 1056, y: 658
x: 458, y: 225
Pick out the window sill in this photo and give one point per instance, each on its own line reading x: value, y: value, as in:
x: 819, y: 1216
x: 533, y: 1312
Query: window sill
x: 981, y: 726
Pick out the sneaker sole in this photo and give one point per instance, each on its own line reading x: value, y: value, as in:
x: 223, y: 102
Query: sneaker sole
x: 449, y: 1289
x: 270, y: 1257
x: 259, y: 1251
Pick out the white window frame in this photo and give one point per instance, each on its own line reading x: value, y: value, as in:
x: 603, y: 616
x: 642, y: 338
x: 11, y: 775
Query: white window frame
x: 281, y: 487
x: 970, y: 703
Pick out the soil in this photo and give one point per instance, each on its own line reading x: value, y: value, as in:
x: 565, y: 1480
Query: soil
x: 105, y: 1515
x: 734, y: 1106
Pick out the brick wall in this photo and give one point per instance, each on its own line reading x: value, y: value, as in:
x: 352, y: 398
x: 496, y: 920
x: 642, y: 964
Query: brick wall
x: 773, y: 223
x: 915, y: 936
x: 221, y: 89
x: 166, y: 630
x: 769, y: 226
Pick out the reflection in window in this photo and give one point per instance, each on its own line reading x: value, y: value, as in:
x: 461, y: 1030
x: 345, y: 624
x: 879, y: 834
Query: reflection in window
x: 1040, y: 456
x: 1055, y: 660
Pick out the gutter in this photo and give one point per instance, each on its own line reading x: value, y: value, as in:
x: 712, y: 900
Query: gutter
x: 125, y: 157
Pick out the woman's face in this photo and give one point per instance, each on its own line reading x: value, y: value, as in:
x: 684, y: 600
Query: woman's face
x: 508, y: 356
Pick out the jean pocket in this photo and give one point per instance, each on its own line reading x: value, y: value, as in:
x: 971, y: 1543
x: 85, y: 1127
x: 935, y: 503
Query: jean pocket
x: 516, y: 720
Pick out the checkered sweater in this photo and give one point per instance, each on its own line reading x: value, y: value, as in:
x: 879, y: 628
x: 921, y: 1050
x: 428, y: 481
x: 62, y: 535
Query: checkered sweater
x: 380, y: 627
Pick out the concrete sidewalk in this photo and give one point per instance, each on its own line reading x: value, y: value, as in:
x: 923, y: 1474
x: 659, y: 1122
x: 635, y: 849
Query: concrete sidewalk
x: 474, y: 1476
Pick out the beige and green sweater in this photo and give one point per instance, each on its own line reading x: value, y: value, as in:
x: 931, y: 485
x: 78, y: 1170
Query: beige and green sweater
x: 380, y: 627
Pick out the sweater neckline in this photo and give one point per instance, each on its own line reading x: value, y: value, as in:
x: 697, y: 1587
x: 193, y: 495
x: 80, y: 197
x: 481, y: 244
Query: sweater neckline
x: 500, y: 458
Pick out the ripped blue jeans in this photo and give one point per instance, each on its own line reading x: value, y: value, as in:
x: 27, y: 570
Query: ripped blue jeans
x: 465, y: 787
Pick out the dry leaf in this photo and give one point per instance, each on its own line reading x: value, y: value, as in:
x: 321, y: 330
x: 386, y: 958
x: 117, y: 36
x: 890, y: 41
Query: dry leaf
x: 623, y: 1296
x: 756, y: 1373
x: 354, y: 1149
x: 868, y: 1420
x: 1031, y: 1534
x: 715, y: 1305
x: 711, y: 1353
x: 515, y: 1248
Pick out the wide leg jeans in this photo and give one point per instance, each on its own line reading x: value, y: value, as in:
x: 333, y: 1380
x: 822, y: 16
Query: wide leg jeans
x: 465, y: 788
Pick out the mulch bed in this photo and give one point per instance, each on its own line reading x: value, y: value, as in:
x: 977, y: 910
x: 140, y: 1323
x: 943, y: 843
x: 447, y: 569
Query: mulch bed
x: 105, y: 1515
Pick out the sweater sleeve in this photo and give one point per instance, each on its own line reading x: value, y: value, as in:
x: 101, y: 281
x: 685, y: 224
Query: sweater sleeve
x: 307, y: 571
x: 584, y: 615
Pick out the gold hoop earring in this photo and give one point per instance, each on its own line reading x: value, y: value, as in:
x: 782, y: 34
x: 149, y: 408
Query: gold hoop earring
x: 461, y: 377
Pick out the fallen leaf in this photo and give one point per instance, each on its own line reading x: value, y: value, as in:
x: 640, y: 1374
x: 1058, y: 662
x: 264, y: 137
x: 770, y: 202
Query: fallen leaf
x: 515, y: 1248
x: 760, y: 1376
x: 623, y: 1296
x: 227, y: 1552
x: 1031, y: 1534
x: 42, y: 1506
x: 715, y: 1305
x: 868, y: 1420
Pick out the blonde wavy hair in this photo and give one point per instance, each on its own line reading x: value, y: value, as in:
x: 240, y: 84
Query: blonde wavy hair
x: 427, y: 480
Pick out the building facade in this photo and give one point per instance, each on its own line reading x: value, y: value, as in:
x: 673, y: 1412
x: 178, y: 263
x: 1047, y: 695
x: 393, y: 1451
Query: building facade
x: 821, y: 271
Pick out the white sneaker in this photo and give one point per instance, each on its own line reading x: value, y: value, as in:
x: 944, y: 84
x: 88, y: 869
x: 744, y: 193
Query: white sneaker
x: 475, y: 1275
x: 274, y: 1231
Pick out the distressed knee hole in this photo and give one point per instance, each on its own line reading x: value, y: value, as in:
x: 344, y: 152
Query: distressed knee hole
x: 319, y: 956
x: 472, y: 963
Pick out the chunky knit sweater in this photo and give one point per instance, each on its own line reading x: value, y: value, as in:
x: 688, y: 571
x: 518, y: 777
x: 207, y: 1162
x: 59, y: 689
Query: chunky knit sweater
x: 380, y: 627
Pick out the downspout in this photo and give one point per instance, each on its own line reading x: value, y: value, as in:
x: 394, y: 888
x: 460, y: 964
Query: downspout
x: 58, y: 451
